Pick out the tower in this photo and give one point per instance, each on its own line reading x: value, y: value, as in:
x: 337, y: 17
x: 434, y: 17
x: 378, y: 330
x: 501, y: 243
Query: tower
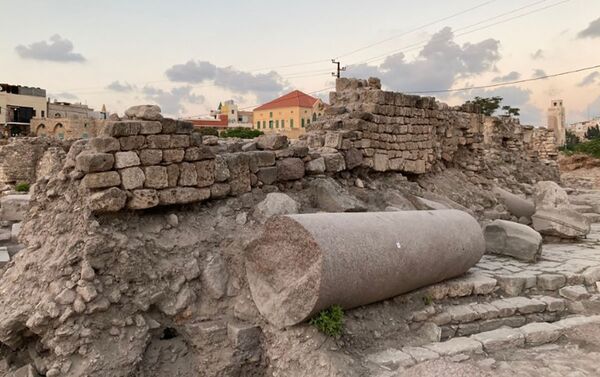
x: 557, y: 121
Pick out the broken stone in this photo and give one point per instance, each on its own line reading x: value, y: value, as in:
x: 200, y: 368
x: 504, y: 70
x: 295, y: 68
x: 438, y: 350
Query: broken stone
x: 455, y: 346
x: 14, y: 207
x: 111, y: 200
x: 276, y: 204
x: 550, y: 195
x: 329, y: 196
x: 271, y: 142
x: 513, y: 239
x: 563, y: 223
x: 334, y: 162
x: 144, y: 112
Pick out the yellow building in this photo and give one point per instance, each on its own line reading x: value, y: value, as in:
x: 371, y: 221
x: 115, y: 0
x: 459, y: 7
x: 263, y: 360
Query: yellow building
x: 288, y: 115
x: 18, y: 105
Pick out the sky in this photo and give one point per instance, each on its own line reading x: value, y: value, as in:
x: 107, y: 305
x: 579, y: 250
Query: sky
x: 187, y: 56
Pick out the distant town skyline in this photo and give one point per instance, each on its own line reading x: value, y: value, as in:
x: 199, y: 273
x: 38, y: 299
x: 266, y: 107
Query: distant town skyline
x: 187, y: 56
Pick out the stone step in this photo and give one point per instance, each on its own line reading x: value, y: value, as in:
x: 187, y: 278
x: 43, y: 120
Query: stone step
x: 391, y: 361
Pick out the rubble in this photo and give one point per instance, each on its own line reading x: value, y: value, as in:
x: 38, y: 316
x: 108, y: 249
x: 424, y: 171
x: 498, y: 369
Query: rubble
x: 512, y: 239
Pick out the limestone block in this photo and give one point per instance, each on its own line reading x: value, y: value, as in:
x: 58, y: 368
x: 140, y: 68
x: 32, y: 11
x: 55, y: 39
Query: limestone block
x: 328, y: 195
x: 516, y: 205
x: 142, y: 199
x: 198, y: 153
x: 183, y: 128
x: 206, y: 172
x: 316, y: 166
x: 173, y: 174
x: 262, y: 158
x: 575, y: 293
x: 271, y: 142
x: 182, y: 195
x: 538, y: 333
x: 353, y: 158
x: 384, y: 254
x: 290, y: 169
x: 150, y: 128
x: 267, y: 175
x: 245, y: 337
x: 15, y: 230
x: 500, y: 339
x: 94, y: 162
x: 196, y: 139
x: 188, y: 176
x: 420, y: 354
x: 120, y: 128
x: 132, y: 178
x: 101, y: 180
x: 275, y: 204
x: 179, y: 141
x: 392, y: 359
x: 513, y: 239
x: 158, y: 141
x: 111, y: 200
x: 551, y: 282
x: 156, y: 177
x: 333, y: 140
x: 455, y: 346
x: 553, y: 304
x: 126, y: 159
x: 510, y: 284
x: 105, y: 144
x: 14, y: 207
x: 380, y: 162
x: 150, y: 156
x: 219, y: 190
x: 221, y: 169
x: 549, y: 194
x: 173, y: 155
x: 4, y: 256
x: 334, y: 162
x: 129, y: 143
x: 26, y: 371
x: 560, y: 222
x: 144, y: 112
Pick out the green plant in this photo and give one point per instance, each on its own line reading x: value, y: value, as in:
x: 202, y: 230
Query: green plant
x: 243, y: 133
x: 487, y: 106
x: 571, y: 140
x: 330, y: 321
x: 592, y: 133
x: 510, y: 111
x: 207, y: 131
x: 427, y: 300
x: 22, y: 187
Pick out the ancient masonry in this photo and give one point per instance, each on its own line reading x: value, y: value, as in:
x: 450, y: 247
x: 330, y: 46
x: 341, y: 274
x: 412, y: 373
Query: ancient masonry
x: 141, y: 164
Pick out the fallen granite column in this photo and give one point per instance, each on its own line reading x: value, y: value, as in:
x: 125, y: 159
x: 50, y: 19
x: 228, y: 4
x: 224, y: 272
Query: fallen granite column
x: 305, y: 263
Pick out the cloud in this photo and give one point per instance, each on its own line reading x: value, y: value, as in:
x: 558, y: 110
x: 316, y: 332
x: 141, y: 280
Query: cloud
x: 118, y: 87
x: 592, y: 31
x: 537, y: 73
x: 539, y: 54
x: 439, y: 64
x: 58, y: 50
x: 512, y: 76
x: 64, y: 96
x: 171, y: 102
x: 590, y: 79
x: 264, y: 85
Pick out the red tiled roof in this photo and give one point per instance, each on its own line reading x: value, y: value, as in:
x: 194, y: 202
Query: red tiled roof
x: 222, y: 122
x: 293, y: 99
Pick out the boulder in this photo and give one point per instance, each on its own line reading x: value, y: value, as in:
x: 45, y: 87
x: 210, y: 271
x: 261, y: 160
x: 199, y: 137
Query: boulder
x: 512, y: 239
x: 290, y: 169
x: 272, y: 142
x: 276, y: 204
x: 144, y: 112
x: 516, y: 205
x: 561, y: 222
x: 329, y: 196
x: 14, y: 207
x: 549, y: 194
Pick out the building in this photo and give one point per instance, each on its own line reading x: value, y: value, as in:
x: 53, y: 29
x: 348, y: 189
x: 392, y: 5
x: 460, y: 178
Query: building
x: 69, y: 121
x: 580, y: 128
x: 218, y: 122
x: 236, y: 118
x: 288, y: 115
x: 557, y: 121
x: 18, y: 105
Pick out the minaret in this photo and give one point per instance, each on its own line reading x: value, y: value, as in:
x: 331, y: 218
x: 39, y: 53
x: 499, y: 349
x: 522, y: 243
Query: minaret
x: 557, y: 121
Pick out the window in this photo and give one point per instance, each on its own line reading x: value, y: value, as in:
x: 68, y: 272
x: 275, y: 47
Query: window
x: 282, y: 123
x: 43, y: 114
x: 232, y: 112
x: 308, y: 121
x: 264, y: 124
x: 277, y: 123
x: 302, y: 122
x: 271, y: 114
x: 258, y: 124
x: 291, y: 123
x: 314, y: 117
x: 270, y: 124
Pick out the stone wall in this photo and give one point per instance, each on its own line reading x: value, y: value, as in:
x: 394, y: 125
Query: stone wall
x: 19, y: 158
x: 139, y: 164
x: 543, y: 144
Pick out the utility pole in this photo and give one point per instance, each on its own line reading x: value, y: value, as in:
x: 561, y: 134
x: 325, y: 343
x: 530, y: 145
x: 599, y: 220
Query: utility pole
x: 339, y: 68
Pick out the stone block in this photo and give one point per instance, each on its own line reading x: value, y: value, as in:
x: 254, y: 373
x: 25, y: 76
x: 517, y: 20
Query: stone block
x: 575, y: 293
x: 328, y: 195
x: 420, y: 354
x: 144, y: 112
x: 267, y: 175
x: 105, y: 144
x: 551, y: 282
x: 563, y: 223
x: 221, y: 169
x: 549, y: 194
x: 4, y: 256
x: 173, y: 155
x: 334, y: 162
x: 132, y: 178
x: 110, y: 200
x: 150, y: 156
x: 179, y: 141
x: 101, y: 180
x: 262, y: 158
x: 173, y: 174
x: 206, y: 173
x: 15, y: 230
x: 392, y: 359
x: 198, y: 153
x: 333, y: 140
x: 150, y: 128
x: 274, y: 204
x: 591, y: 275
x: 512, y: 239
x: 244, y: 337
x: 525, y: 305
x: 143, y: 199
x: 158, y: 141
x: 94, y: 162
x: 184, y: 128
x: 538, y: 333
x: 503, y: 338
x: 353, y: 158
x: 271, y: 142
x: 462, y: 313
x: 120, y: 128
x: 219, y: 190
x: 239, y: 172
x: 455, y: 346
x: 182, y: 195
x: 511, y: 285
x: 316, y: 166
x: 553, y: 304
x: 129, y: 143
x: 577, y: 321
x: 290, y: 169
x: 14, y: 207
x: 380, y: 162
x: 156, y: 177
x: 188, y: 176
x: 126, y: 160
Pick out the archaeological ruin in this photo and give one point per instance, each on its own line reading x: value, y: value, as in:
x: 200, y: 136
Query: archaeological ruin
x: 152, y: 250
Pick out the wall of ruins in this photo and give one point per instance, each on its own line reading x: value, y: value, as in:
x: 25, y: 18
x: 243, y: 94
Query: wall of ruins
x: 19, y: 158
x: 541, y: 143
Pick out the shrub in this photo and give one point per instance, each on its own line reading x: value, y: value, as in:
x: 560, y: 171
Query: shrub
x: 22, y: 187
x: 207, y: 131
x: 330, y: 321
x: 243, y: 133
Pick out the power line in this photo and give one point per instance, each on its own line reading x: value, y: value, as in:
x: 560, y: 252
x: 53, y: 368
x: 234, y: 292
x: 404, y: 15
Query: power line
x: 415, y: 29
x: 507, y: 83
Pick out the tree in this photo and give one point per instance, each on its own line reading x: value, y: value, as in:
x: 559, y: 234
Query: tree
x: 592, y: 133
x: 488, y: 106
x: 571, y: 140
x: 511, y: 111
